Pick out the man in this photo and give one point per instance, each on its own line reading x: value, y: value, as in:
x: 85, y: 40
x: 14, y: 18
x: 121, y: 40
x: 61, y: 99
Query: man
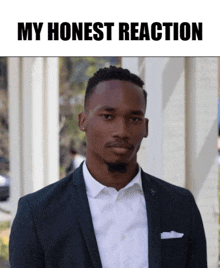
x: 109, y: 213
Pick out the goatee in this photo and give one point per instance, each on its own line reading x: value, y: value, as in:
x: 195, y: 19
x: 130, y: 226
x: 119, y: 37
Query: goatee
x: 117, y: 167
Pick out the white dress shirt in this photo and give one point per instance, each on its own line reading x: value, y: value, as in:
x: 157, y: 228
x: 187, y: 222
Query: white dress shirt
x: 120, y: 222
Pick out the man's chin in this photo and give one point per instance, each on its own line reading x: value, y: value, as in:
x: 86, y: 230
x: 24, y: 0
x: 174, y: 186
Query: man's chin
x: 117, y: 166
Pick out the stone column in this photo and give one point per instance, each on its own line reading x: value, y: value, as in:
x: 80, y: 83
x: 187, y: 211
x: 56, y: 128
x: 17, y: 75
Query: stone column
x: 201, y: 145
x: 34, y: 125
x: 164, y: 151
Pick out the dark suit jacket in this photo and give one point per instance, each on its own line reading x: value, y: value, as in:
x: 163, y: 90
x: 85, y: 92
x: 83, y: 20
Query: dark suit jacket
x: 53, y: 227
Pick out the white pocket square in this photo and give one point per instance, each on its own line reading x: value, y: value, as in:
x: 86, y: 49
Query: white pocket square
x: 172, y: 234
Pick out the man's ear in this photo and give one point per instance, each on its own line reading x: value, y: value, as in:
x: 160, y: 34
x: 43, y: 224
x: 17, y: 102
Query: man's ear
x: 82, y: 121
x: 146, y: 128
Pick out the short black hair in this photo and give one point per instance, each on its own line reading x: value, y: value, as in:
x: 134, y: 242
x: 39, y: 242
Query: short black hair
x: 112, y: 73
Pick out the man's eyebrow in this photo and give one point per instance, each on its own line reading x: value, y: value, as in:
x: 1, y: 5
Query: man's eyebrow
x: 111, y: 109
x: 137, y: 112
x: 107, y: 108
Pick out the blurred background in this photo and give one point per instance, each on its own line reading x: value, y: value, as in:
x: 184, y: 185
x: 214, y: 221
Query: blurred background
x: 74, y: 74
x: 40, y: 142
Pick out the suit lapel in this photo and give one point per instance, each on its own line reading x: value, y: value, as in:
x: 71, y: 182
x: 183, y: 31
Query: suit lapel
x: 85, y: 218
x: 154, y: 224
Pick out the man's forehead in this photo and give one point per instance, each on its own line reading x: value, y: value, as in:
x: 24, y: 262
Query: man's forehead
x: 117, y: 94
x: 105, y: 86
x: 114, y: 91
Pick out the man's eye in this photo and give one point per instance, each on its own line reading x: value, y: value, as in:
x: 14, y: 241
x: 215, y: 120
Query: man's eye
x: 107, y: 116
x: 135, y: 119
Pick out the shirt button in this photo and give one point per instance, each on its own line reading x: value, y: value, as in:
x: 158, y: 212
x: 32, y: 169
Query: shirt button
x: 123, y: 237
x: 118, y: 198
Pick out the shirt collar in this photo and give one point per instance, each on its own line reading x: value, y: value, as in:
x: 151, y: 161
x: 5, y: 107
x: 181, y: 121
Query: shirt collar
x: 93, y: 187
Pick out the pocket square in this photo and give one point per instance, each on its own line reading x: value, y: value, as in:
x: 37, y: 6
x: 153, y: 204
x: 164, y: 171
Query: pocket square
x: 172, y: 234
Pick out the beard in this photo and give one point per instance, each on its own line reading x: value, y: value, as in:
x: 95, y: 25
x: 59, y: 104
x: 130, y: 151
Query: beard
x: 117, y: 167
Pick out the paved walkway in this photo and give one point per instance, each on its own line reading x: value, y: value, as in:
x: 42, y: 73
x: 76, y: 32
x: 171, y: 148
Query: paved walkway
x: 4, y: 264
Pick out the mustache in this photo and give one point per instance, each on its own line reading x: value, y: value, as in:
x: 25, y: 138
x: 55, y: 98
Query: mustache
x: 120, y: 144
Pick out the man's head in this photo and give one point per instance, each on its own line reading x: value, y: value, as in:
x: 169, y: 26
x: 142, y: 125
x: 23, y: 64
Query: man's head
x: 113, y: 119
x: 112, y: 73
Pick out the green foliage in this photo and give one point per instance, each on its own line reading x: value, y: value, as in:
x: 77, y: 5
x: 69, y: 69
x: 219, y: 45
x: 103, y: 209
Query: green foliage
x: 4, y: 241
x: 74, y: 75
x: 62, y: 169
x: 4, y: 254
x: 4, y: 225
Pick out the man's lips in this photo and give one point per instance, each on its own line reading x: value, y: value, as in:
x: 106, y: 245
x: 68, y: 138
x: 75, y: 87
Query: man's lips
x: 121, y: 145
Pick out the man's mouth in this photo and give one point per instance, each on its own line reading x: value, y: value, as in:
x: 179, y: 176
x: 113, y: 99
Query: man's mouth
x: 120, y: 147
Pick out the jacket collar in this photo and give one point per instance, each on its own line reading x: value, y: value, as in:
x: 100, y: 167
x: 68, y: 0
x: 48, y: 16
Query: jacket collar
x: 85, y: 218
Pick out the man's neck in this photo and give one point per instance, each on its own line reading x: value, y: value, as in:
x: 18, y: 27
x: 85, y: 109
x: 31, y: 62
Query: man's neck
x: 111, y: 176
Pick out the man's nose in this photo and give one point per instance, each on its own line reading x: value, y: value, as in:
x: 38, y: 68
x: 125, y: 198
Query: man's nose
x: 122, y: 129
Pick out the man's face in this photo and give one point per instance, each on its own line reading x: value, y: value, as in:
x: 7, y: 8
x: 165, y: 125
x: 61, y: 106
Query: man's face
x: 114, y: 122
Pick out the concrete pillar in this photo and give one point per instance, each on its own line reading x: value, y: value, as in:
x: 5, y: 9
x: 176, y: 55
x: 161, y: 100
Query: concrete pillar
x: 34, y: 125
x: 51, y: 120
x: 164, y: 148
x: 201, y: 139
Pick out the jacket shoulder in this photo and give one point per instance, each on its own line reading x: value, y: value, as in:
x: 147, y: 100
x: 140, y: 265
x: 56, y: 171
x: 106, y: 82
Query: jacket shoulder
x: 51, y: 196
x: 172, y: 199
x: 165, y: 188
